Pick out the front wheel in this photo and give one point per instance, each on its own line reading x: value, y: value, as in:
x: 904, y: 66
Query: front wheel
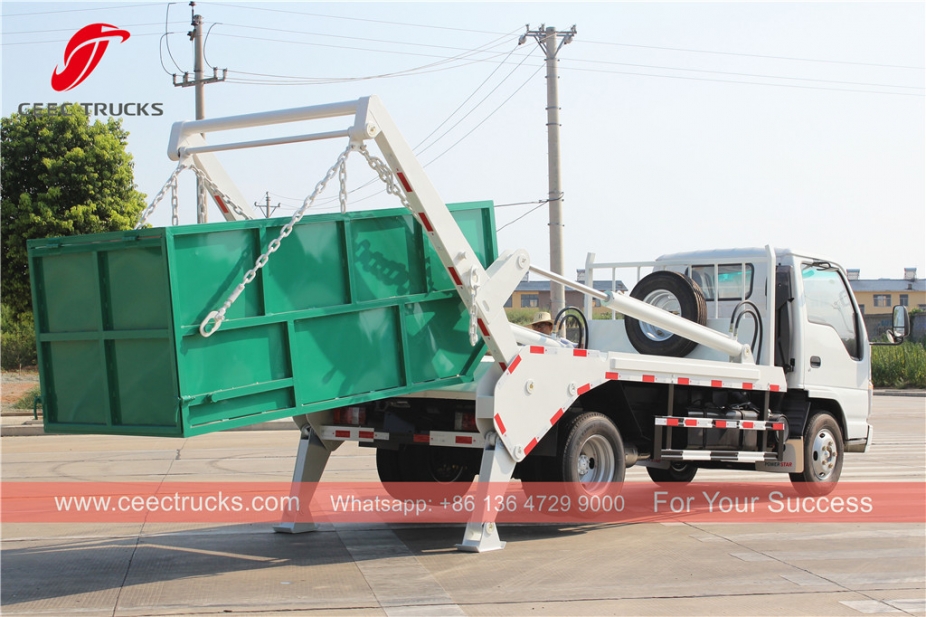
x: 823, y: 455
x: 677, y: 473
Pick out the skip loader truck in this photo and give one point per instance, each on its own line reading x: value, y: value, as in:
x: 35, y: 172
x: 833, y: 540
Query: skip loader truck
x: 388, y: 328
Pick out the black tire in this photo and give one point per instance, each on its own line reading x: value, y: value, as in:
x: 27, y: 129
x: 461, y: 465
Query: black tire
x: 675, y: 293
x: 678, y: 472
x: 437, y: 464
x: 592, y: 456
x: 424, y: 464
x: 388, y: 465
x: 823, y: 456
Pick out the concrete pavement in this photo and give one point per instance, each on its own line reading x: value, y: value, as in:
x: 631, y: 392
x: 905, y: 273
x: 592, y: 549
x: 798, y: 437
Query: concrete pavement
x: 643, y: 569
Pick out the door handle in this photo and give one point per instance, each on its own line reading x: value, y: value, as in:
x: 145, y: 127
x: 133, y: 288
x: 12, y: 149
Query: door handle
x: 815, y: 362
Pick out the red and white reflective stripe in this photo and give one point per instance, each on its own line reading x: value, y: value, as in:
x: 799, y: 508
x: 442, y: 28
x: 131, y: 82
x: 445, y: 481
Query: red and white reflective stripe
x: 690, y: 381
x: 434, y: 438
x: 352, y: 433
x: 722, y: 455
x: 500, y: 424
x: 404, y: 181
x: 457, y: 439
x: 514, y: 364
x: 749, y: 425
x: 426, y: 222
x: 220, y: 204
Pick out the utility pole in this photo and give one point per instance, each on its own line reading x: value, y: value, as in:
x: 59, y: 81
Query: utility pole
x: 551, y: 42
x: 199, y: 82
x: 267, y: 210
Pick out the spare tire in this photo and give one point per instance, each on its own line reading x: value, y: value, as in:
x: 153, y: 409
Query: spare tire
x: 672, y: 292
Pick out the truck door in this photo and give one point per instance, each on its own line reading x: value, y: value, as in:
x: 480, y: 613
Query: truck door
x: 833, y: 362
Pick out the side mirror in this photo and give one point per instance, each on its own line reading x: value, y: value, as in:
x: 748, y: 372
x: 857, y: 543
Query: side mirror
x: 900, y: 323
x: 900, y: 327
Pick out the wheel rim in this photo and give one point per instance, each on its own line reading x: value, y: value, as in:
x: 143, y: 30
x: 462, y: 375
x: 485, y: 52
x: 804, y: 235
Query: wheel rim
x: 667, y: 301
x: 824, y: 455
x: 596, y: 463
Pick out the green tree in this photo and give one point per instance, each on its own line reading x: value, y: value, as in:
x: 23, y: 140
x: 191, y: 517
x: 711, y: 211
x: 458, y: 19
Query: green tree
x: 61, y: 176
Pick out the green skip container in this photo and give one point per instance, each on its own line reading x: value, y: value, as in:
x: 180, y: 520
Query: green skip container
x: 351, y: 308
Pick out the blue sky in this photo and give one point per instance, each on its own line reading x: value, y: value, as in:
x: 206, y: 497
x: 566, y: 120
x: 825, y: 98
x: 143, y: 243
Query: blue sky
x: 685, y: 125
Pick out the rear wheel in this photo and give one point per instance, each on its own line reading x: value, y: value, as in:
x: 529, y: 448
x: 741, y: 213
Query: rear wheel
x: 672, y: 292
x: 592, y: 458
x: 678, y: 473
x: 451, y: 468
x: 823, y: 455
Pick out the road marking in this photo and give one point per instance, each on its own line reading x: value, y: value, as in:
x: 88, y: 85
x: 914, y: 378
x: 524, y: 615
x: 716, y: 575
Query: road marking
x: 869, y: 607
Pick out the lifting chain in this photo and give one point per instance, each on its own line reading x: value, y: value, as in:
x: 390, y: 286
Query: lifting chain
x: 206, y: 183
x: 217, y: 317
x: 473, y: 284
x: 385, y: 174
x: 174, y: 205
x: 172, y: 184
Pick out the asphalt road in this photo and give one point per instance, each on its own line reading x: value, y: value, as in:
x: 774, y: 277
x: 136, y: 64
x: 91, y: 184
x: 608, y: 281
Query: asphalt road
x: 659, y: 568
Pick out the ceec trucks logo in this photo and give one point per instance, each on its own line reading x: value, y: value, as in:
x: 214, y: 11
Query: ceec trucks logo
x: 83, y: 52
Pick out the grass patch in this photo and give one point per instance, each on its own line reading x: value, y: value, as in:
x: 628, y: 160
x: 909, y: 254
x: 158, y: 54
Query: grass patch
x: 27, y: 400
x: 901, y: 366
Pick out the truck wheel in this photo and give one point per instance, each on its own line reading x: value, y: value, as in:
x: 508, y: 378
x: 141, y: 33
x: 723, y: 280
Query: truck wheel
x: 672, y: 292
x: 593, y: 454
x: 678, y: 473
x: 823, y: 454
x: 423, y: 464
x: 387, y: 465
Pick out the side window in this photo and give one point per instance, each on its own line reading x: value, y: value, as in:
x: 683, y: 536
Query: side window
x: 828, y: 303
x: 730, y: 281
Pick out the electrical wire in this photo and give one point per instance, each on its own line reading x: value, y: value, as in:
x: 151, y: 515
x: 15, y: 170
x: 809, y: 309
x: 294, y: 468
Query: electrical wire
x: 768, y: 57
x: 475, y: 107
x: 206, y: 45
x: 109, y: 7
x: 150, y: 23
x: 759, y: 75
x: 472, y: 130
x: 540, y: 203
x: 359, y: 38
x: 461, y: 60
x: 735, y: 81
x: 333, y: 46
x: 167, y: 39
x: 372, y: 21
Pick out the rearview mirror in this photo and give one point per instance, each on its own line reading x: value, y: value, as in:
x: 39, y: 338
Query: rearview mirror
x: 900, y: 322
x: 900, y: 327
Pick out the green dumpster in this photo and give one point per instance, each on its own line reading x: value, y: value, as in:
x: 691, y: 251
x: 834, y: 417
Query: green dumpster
x: 352, y: 307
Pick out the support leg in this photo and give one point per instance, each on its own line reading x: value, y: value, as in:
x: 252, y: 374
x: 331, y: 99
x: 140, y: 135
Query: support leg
x: 481, y: 533
x: 310, y: 463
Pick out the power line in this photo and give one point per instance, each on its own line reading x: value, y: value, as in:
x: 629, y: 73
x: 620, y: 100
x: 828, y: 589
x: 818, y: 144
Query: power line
x: 463, y: 59
x: 151, y: 23
x: 734, y: 81
x: 333, y: 46
x: 484, y: 99
x: 100, y: 8
x: 759, y: 75
x: 372, y: 21
x: 355, y: 38
x: 472, y: 130
x: 540, y: 203
x: 769, y: 57
x: 166, y: 38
